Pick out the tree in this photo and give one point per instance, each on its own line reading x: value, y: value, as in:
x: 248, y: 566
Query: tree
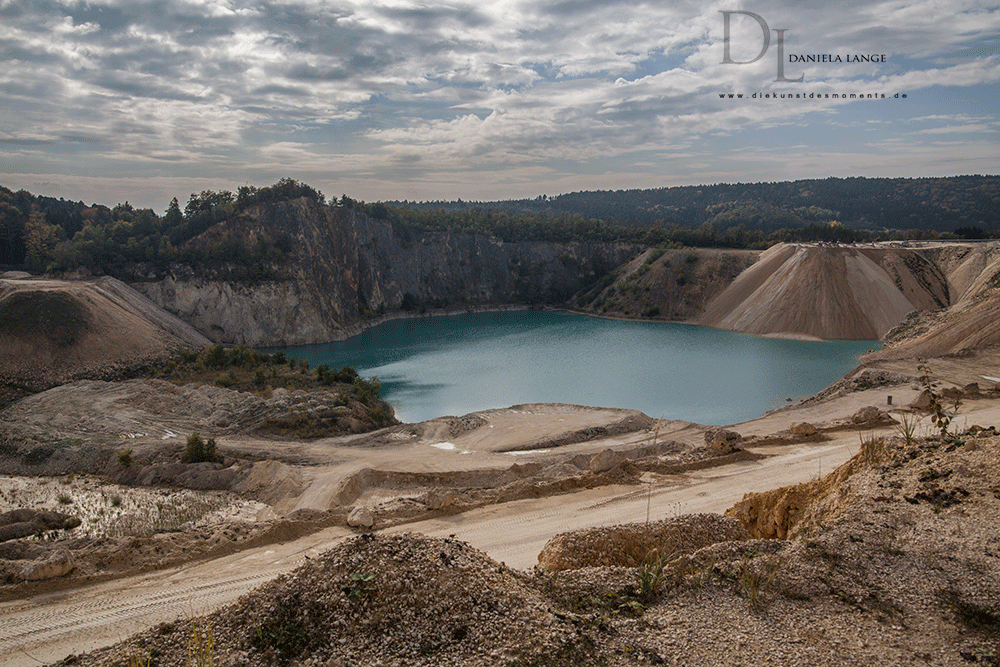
x: 40, y: 240
x: 173, y: 216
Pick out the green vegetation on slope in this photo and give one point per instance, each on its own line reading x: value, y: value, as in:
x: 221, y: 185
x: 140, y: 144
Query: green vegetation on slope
x: 45, y: 234
x: 357, y: 405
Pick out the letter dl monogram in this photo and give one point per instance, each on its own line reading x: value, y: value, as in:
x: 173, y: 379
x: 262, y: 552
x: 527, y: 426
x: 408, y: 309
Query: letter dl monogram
x: 727, y: 59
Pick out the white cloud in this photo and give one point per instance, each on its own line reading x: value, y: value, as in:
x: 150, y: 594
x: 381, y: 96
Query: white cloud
x: 535, y: 93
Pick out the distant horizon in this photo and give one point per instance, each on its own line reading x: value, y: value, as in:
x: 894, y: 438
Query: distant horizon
x: 330, y: 198
x: 425, y: 100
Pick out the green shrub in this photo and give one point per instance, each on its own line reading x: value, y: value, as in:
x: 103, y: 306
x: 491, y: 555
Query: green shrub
x: 199, y: 450
x: 216, y: 356
x: 125, y: 457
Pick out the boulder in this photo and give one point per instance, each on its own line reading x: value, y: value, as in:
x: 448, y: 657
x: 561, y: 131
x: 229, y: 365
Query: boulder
x: 870, y: 415
x: 56, y: 565
x: 972, y: 390
x: 803, y: 429
x: 437, y: 499
x: 605, y: 461
x: 952, y: 393
x: 20, y: 523
x: 721, y: 442
x: 360, y: 517
x: 922, y: 401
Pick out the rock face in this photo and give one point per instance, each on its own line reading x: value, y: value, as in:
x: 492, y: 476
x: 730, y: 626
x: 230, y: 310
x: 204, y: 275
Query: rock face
x: 346, y: 266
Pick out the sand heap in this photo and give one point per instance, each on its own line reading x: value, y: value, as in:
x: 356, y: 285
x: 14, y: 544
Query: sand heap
x: 827, y: 292
x: 52, y: 330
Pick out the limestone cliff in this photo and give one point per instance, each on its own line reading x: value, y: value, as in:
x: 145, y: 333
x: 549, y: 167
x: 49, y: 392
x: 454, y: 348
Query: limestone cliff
x: 346, y: 267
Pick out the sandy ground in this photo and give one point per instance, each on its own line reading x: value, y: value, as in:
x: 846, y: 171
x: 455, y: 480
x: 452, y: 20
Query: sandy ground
x: 48, y: 627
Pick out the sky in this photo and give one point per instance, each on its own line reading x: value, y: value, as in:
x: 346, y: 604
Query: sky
x: 114, y: 101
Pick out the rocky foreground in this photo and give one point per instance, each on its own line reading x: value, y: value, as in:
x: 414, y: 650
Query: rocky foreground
x: 894, y: 558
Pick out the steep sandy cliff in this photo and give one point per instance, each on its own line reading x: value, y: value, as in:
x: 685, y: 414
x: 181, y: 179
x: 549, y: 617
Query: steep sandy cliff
x: 829, y: 292
x: 346, y: 267
x: 972, y: 322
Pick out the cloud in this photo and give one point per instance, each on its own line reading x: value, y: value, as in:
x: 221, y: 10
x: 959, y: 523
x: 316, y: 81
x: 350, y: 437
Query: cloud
x: 426, y: 92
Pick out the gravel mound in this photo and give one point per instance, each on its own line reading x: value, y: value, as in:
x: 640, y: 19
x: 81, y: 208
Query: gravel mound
x: 406, y: 598
x: 628, y: 545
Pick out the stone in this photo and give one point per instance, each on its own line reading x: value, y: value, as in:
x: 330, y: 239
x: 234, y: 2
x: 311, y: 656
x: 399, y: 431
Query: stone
x: 972, y: 390
x: 922, y: 401
x: 56, y: 565
x: 360, y: 517
x: 869, y: 415
x: 952, y: 393
x: 721, y: 442
x: 804, y: 429
x: 437, y: 499
x: 605, y: 461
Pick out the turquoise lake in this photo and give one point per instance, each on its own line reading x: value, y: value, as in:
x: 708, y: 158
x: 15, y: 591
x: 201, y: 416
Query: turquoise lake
x: 436, y: 366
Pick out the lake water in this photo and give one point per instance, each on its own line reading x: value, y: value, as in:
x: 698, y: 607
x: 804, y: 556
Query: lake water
x: 436, y: 366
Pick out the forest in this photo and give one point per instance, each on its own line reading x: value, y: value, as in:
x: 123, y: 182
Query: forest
x: 875, y: 204
x: 44, y: 234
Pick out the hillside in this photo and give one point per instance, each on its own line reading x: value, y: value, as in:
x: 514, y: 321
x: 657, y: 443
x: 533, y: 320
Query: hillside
x: 970, y: 324
x: 832, y: 292
x: 941, y: 204
x: 51, y: 331
x: 345, y: 269
x: 665, y: 284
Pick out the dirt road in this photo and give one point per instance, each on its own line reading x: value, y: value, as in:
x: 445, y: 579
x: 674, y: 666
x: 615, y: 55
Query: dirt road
x: 47, y: 628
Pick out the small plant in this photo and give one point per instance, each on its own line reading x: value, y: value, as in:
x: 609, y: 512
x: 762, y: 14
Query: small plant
x: 201, y: 646
x: 64, y: 499
x: 754, y: 579
x: 907, y: 427
x: 873, y: 450
x: 940, y: 417
x: 125, y: 457
x: 650, y: 574
x: 362, y: 587
x: 116, y: 500
x: 137, y: 659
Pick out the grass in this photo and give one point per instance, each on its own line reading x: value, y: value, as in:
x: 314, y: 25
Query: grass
x: 873, y: 450
x: 201, y: 646
x: 754, y: 575
x: 652, y: 572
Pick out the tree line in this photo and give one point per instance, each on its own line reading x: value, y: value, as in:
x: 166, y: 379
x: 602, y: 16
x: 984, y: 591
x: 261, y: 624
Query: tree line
x: 40, y: 233
x: 875, y: 204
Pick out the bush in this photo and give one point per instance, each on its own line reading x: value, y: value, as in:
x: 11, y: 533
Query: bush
x: 125, y: 457
x: 199, y: 450
x: 216, y: 356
